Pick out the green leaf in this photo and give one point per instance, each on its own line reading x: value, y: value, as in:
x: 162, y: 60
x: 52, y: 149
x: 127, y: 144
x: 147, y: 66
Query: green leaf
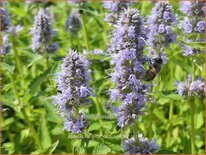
x: 35, y: 60
x: 7, y: 67
x: 166, y: 152
x: 186, y: 143
x: 48, y: 150
x: 52, y: 148
x: 199, y: 120
x: 24, y: 134
x: 45, y: 137
x: 101, y: 149
x: 159, y: 114
x: 52, y: 114
x: 113, y: 144
x: 94, y: 126
x: 35, y: 83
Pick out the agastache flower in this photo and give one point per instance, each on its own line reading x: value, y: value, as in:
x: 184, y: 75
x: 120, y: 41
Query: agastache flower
x: 160, y: 29
x: 193, y: 23
x: 115, y: 8
x: 6, y: 25
x: 73, y: 23
x: 126, y: 50
x: 6, y: 48
x: 195, y: 13
x: 5, y: 20
x: 73, y: 91
x: 42, y: 34
x: 189, y: 87
x: 140, y: 145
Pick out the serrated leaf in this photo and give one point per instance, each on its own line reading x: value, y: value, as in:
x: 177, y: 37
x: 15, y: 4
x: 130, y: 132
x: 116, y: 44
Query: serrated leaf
x: 35, y: 83
x: 35, y: 60
x: 52, y: 148
x: 51, y: 114
x: 159, y: 114
x: 7, y: 67
x: 113, y: 144
x: 48, y: 150
x: 101, y: 149
x: 94, y: 126
x: 199, y: 120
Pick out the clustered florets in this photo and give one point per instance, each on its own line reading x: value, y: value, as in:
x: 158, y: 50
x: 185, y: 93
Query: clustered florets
x: 5, y: 28
x: 193, y: 22
x: 195, y: 11
x: 126, y: 51
x: 116, y: 8
x: 42, y: 33
x: 6, y: 45
x: 73, y: 23
x: 140, y: 145
x: 160, y: 29
x: 73, y: 91
x: 190, y: 88
x: 5, y: 20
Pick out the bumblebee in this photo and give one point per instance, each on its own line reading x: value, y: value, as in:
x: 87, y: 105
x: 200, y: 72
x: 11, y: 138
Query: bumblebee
x: 154, y: 68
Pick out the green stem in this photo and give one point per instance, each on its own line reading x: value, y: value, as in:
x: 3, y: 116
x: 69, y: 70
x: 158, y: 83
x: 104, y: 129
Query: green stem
x: 15, y: 89
x: 85, y: 35
x: 20, y: 71
x: 171, y: 107
x: 193, y: 69
x: 47, y: 61
x: 99, y: 111
x: 192, y: 113
x: 33, y: 131
x: 150, y: 120
x: 170, y: 118
x: 135, y: 131
x: 18, y: 63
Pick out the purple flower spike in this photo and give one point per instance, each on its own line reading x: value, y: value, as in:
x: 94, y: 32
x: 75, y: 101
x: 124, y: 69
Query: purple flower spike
x: 193, y: 23
x: 5, y: 20
x: 73, y: 91
x: 195, y: 13
x: 115, y: 8
x: 42, y: 33
x: 140, y: 146
x: 160, y: 29
x: 73, y: 23
x: 6, y: 45
x: 126, y: 50
x: 189, y: 88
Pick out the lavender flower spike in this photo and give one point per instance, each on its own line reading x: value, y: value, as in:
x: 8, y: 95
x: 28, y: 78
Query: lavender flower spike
x: 5, y: 20
x: 73, y: 23
x: 160, y: 29
x: 115, y: 9
x: 140, y: 146
x: 126, y: 50
x: 189, y: 88
x: 42, y: 33
x: 195, y: 14
x: 6, y: 45
x: 73, y: 91
x: 193, y: 23
x: 116, y: 6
